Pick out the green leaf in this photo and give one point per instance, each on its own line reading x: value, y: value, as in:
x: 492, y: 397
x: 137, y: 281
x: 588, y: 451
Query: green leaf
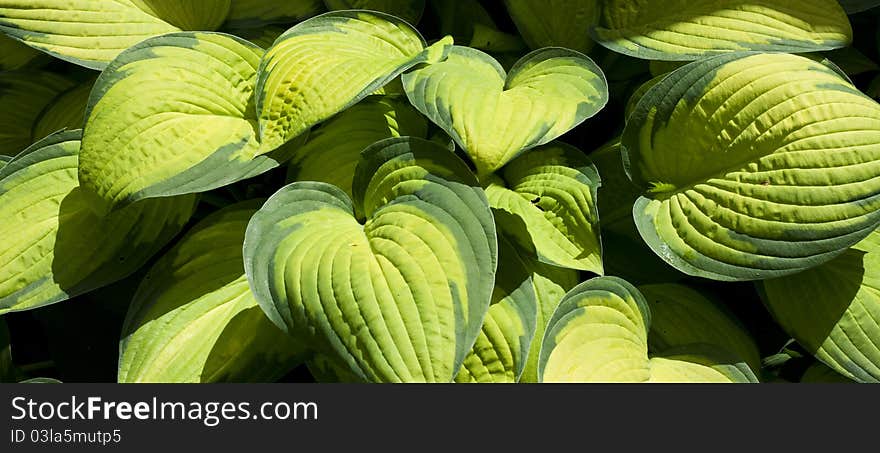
x: 194, y: 319
x: 328, y: 63
x: 24, y: 95
x: 754, y: 166
x: 190, y: 14
x: 552, y: 191
x: 15, y: 55
x: 681, y: 316
x: 55, y: 247
x: 599, y: 333
x: 91, y: 33
x: 834, y: 310
x: 496, y: 116
x: 857, y: 6
x: 408, y: 10
x: 499, y: 355
x: 555, y: 23
x: 257, y: 13
x: 173, y: 115
x: 689, y: 30
x: 334, y: 148
x: 66, y: 111
x: 399, y: 298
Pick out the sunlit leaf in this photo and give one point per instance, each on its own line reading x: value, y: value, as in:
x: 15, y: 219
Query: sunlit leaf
x: 400, y: 297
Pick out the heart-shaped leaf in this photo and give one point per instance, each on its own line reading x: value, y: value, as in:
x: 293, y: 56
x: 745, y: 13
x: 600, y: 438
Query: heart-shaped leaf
x: 555, y: 23
x: 689, y: 30
x: 755, y: 166
x: 552, y: 191
x: 55, y: 247
x: 398, y: 298
x: 173, y: 115
x: 408, y: 10
x: 496, y: 116
x: 599, y: 333
x: 24, y: 96
x: 91, y: 33
x: 333, y: 149
x: 194, y: 319
x: 257, y: 13
x: 681, y: 316
x: 499, y: 355
x: 834, y: 310
x: 330, y: 62
x: 4, y: 160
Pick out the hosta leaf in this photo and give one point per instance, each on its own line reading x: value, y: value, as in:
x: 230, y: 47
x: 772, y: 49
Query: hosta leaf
x: 499, y: 355
x: 15, y: 55
x: 599, y: 332
x: 857, y: 6
x: 194, y: 319
x: 834, y: 310
x: 555, y: 23
x: 64, y: 112
x: 688, y: 29
x: 681, y: 316
x: 24, y: 95
x: 172, y: 115
x: 55, y: 246
x: 408, y: 10
x: 86, y: 32
x: 496, y: 116
x: 4, y: 160
x: 256, y: 13
x: 330, y: 62
x: 755, y: 166
x: 188, y: 15
x: 333, y: 149
x: 398, y: 298
x: 552, y: 190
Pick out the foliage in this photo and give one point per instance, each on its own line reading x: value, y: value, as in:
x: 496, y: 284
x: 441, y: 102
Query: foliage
x: 439, y: 191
